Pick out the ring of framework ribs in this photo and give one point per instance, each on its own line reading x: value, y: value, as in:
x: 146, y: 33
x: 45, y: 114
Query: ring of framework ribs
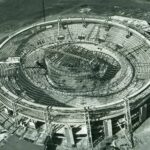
x: 70, y: 64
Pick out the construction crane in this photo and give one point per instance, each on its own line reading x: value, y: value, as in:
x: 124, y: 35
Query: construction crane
x: 84, y: 22
x: 48, y: 122
x: 69, y: 33
x: 59, y: 36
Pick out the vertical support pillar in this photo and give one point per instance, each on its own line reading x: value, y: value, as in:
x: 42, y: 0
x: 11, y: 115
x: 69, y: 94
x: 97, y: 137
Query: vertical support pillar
x: 48, y: 122
x: 107, y: 128
x: 49, y: 131
x: 69, y: 136
x: 143, y: 113
x: 88, y: 125
x: 15, y: 114
x: 128, y: 121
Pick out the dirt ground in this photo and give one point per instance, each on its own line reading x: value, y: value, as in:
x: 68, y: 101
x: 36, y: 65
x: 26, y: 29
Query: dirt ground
x: 13, y: 143
x: 142, y: 135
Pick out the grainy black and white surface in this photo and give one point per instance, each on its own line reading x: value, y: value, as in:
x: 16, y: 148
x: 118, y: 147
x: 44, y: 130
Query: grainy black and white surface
x: 18, y: 14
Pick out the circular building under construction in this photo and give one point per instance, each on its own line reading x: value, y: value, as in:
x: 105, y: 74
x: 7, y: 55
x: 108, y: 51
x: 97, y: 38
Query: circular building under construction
x: 75, y: 80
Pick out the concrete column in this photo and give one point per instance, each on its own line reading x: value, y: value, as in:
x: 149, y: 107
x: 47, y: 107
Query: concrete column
x: 107, y: 128
x: 48, y: 121
x: 69, y: 136
x: 143, y: 113
x: 32, y: 124
x: 15, y: 114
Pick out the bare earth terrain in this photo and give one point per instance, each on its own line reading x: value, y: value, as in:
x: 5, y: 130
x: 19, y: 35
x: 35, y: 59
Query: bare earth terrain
x: 14, y: 143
